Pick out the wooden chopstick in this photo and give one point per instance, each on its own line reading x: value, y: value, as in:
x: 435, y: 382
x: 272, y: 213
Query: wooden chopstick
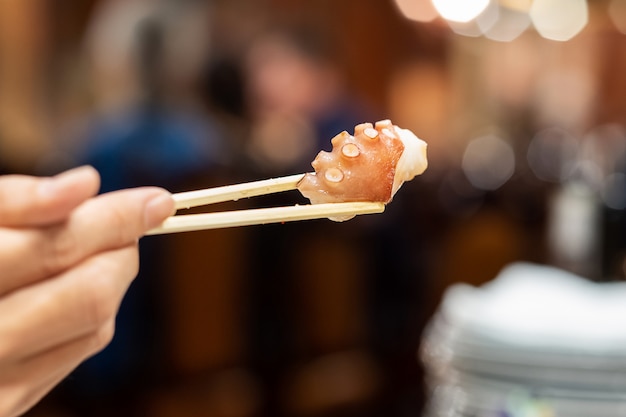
x: 204, y: 221
x: 235, y: 192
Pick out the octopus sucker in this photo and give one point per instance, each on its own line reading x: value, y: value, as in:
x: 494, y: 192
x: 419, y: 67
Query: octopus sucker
x: 371, y: 133
x: 333, y: 175
x: 360, y: 168
x: 350, y: 150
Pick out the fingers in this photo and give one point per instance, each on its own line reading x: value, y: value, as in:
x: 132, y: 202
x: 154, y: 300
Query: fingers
x: 82, y: 254
x: 74, y: 304
x: 23, y: 386
x: 50, y: 328
x: 30, y: 201
x: 106, y: 222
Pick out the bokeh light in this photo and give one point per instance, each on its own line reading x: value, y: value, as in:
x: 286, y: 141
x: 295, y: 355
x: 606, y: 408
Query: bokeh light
x: 510, y: 24
x: 488, y: 18
x: 460, y: 10
x: 559, y: 20
x: 505, y: 20
x: 477, y: 27
x: 488, y: 162
x: 469, y: 29
x: 517, y: 5
x: 418, y: 10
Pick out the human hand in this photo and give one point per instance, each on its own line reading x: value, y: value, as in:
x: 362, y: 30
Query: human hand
x: 66, y: 260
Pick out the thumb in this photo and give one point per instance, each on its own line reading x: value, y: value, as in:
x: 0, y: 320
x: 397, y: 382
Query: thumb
x: 32, y: 201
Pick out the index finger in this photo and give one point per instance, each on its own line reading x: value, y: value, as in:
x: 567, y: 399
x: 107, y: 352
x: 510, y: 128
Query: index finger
x: 103, y: 223
x: 31, y: 201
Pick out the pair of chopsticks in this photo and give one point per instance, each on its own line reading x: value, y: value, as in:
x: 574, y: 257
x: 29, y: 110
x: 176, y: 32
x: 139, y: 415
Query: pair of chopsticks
x: 216, y: 220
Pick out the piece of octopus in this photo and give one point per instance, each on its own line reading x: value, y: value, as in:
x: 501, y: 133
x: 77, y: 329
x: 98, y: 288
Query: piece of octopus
x: 360, y: 167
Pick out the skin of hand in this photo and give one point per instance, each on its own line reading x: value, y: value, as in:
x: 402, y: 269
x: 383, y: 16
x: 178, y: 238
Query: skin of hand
x: 67, y: 258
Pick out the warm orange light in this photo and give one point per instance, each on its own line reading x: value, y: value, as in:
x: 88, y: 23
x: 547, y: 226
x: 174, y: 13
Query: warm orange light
x: 418, y: 10
x: 510, y: 24
x: 559, y: 20
x: 460, y: 10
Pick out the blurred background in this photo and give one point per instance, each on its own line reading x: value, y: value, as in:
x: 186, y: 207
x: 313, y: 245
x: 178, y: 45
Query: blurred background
x: 522, y: 103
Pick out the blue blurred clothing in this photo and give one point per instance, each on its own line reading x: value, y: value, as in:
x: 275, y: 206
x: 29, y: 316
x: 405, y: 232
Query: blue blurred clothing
x: 148, y: 145
x: 152, y: 146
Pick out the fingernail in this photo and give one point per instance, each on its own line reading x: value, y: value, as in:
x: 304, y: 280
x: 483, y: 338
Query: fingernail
x: 158, y: 208
x: 54, y: 185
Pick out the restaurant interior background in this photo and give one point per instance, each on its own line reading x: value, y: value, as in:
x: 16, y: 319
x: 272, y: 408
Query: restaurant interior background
x: 523, y: 109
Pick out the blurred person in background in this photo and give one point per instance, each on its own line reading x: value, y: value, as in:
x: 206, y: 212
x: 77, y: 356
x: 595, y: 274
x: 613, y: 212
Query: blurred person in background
x: 308, y: 319
x: 148, y: 127
x: 296, y: 97
x: 356, y: 288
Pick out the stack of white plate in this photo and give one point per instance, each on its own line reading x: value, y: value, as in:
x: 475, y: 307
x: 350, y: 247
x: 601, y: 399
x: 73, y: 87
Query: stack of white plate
x: 534, y: 342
